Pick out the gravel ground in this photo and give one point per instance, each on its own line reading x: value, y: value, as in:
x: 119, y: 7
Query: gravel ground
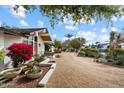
x: 82, y: 72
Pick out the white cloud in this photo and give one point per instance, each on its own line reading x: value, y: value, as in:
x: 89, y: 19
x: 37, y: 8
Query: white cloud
x: 103, y: 38
x: 40, y: 23
x: 71, y: 27
x: 114, y: 29
x: 73, y: 37
x: 92, y: 37
x: 65, y: 38
x: 104, y: 30
x: 65, y: 20
x: 114, y: 18
x: 92, y: 22
x: 23, y: 23
x: 54, y: 35
x: 19, y: 13
x: 122, y: 18
x: 84, y: 21
x: 88, y: 35
x: 70, y: 24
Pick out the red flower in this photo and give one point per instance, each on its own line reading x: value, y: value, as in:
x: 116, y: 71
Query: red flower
x: 20, y: 52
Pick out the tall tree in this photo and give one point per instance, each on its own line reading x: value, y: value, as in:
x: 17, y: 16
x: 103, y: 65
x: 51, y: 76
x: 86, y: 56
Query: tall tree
x: 113, y: 41
x: 58, y: 13
x: 68, y: 36
x: 68, y: 41
x: 77, y: 43
x: 57, y: 44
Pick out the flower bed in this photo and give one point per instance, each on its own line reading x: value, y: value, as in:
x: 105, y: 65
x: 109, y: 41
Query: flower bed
x: 22, y: 82
x: 32, y: 72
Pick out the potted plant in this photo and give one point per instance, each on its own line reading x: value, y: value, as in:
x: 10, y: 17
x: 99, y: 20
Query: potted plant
x: 38, y: 59
x: 20, y: 53
x: 33, y: 71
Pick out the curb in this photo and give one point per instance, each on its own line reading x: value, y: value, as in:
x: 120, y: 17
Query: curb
x: 46, y: 78
x: 45, y: 61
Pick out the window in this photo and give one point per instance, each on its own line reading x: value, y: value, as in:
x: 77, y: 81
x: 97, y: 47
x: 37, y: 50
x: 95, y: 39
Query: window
x: 30, y: 42
x: 39, y: 45
x: 35, y: 39
x: 25, y: 41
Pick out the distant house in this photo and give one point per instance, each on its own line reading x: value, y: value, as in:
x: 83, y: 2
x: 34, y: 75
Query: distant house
x: 100, y: 45
x: 37, y: 37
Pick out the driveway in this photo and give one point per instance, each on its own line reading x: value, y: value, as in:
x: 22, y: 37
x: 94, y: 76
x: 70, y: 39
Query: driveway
x: 73, y: 72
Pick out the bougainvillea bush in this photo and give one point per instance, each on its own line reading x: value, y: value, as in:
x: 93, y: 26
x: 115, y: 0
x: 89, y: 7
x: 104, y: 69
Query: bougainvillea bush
x: 20, y: 53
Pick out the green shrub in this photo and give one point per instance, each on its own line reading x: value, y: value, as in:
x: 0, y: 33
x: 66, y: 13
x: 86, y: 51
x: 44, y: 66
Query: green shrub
x: 120, y: 60
x: 118, y: 51
x: 90, y: 52
x: 108, y: 58
x: 81, y: 53
x: 38, y: 58
x: 2, y: 54
x: 101, y: 60
x: 106, y: 50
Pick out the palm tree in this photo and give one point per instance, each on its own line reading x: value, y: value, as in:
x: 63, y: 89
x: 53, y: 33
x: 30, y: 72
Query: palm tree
x: 68, y: 36
x: 97, y: 44
x: 113, y: 41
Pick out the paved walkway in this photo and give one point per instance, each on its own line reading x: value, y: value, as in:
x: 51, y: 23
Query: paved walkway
x: 73, y: 71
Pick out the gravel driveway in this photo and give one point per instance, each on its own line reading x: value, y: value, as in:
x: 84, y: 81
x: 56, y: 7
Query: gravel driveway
x: 73, y: 72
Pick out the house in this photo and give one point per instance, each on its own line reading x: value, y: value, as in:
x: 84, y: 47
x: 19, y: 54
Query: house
x: 100, y: 45
x: 37, y: 37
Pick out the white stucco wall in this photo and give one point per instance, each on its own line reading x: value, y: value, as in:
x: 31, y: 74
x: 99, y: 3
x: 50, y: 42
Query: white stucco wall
x: 10, y: 39
x: 1, y: 40
x: 41, y: 48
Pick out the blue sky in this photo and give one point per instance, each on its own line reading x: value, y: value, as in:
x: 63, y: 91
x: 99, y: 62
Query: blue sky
x: 93, y: 32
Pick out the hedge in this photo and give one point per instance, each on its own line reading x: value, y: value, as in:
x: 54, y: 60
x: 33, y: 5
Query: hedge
x: 90, y: 52
x: 119, y: 51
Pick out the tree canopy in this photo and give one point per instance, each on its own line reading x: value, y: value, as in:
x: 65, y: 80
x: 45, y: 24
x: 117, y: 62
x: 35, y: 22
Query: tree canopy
x: 57, y: 44
x: 57, y: 13
x: 77, y: 42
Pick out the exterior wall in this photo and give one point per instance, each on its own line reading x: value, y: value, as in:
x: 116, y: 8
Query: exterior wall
x: 41, y: 46
x: 1, y: 40
x: 38, y: 47
x: 10, y: 39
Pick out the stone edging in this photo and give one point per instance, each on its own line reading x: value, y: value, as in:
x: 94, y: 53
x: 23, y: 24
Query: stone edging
x: 43, y: 82
x: 45, y: 61
x: 46, y: 78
